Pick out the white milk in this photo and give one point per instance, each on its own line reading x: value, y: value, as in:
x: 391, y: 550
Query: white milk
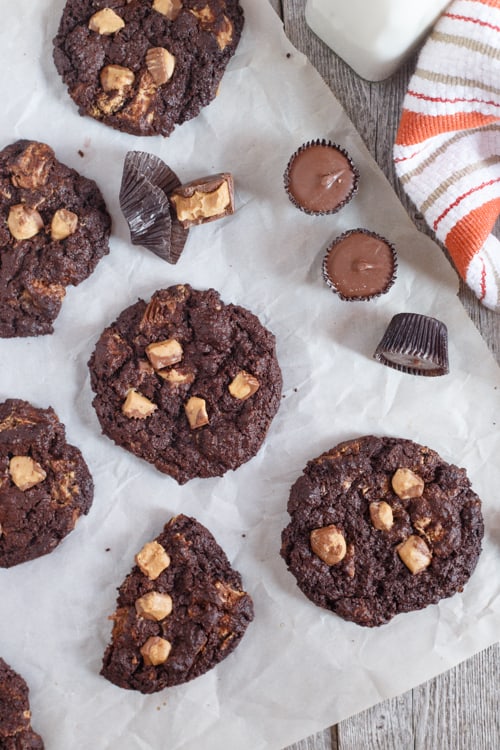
x: 373, y: 36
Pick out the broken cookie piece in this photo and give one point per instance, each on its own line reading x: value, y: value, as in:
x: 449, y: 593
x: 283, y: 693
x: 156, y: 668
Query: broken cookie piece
x: 180, y: 623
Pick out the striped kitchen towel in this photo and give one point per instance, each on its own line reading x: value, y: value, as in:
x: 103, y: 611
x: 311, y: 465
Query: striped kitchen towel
x: 447, y: 149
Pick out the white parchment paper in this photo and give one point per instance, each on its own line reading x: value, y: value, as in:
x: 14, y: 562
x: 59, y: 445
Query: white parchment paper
x: 298, y: 668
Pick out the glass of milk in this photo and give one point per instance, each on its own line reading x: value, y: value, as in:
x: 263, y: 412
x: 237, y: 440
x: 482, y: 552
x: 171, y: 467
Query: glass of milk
x: 373, y: 36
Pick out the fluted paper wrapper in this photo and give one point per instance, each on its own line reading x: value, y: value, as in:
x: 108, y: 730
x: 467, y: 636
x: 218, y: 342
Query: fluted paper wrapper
x: 416, y: 344
x: 145, y: 186
x: 298, y: 668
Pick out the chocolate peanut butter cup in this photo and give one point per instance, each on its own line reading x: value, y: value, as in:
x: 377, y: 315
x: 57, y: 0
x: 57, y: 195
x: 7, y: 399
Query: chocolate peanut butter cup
x: 360, y: 265
x: 204, y: 199
x: 416, y: 344
x: 320, y: 178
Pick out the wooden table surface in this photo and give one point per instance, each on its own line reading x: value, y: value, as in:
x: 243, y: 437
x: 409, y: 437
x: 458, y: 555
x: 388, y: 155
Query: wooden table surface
x: 458, y: 710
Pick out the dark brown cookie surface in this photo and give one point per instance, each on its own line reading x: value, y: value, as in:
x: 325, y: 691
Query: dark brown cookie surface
x: 54, y: 229
x: 179, y: 612
x: 45, y: 484
x: 15, y: 716
x: 379, y: 526
x: 186, y: 382
x: 144, y: 66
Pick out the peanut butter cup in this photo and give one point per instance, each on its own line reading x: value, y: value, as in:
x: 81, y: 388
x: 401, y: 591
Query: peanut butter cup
x: 416, y: 344
x: 360, y: 265
x: 320, y: 178
x: 204, y: 199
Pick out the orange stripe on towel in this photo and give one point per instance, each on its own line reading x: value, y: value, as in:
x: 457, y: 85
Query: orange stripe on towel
x: 470, y: 233
x: 489, y: 3
x: 415, y: 127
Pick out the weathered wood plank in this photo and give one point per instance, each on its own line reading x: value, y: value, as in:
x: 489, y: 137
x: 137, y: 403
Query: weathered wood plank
x: 320, y: 741
x: 387, y: 726
x: 459, y: 710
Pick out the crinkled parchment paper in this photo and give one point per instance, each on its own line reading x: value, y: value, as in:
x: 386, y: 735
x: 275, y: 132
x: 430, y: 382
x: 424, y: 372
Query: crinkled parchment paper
x: 298, y: 668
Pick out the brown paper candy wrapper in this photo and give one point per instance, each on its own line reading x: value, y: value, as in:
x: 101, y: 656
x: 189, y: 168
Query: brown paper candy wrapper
x: 146, y: 183
x: 415, y: 344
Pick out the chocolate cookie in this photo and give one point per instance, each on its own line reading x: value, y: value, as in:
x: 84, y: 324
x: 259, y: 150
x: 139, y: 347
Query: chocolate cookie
x: 381, y: 525
x: 15, y: 715
x: 144, y: 66
x: 54, y: 229
x: 186, y: 382
x: 45, y: 484
x: 179, y: 612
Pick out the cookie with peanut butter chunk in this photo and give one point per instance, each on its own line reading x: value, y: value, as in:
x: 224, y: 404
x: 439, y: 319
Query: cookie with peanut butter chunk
x: 45, y: 484
x: 180, y: 611
x: 381, y: 526
x: 54, y: 230
x: 16, y: 732
x: 145, y: 66
x: 186, y: 382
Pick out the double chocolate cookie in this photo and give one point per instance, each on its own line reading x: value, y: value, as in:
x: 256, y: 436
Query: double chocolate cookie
x: 179, y: 612
x: 15, y: 715
x: 379, y: 526
x: 144, y: 66
x: 45, y: 485
x: 186, y: 382
x: 54, y: 228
